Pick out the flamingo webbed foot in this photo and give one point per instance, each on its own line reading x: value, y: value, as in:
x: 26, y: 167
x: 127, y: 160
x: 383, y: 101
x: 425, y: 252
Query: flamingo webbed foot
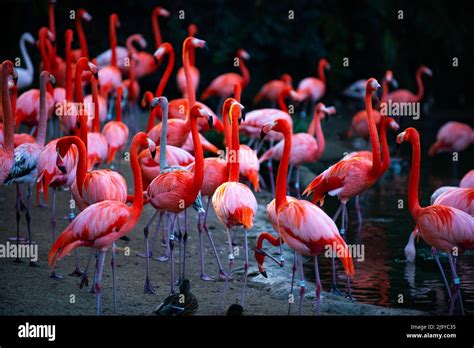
x: 76, y: 273
x: 148, y: 288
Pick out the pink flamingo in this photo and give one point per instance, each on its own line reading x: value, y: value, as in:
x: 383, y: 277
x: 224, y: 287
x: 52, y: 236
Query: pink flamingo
x: 302, y: 225
x: 304, y: 147
x: 179, y: 108
x: 350, y: 177
x: 468, y: 180
x: 174, y: 191
x: 158, y: 12
x: 6, y: 151
x: 452, y: 137
x: 405, y: 96
x: 116, y: 132
x: 83, y: 51
x: 272, y: 89
x: 234, y: 203
x: 312, y: 89
x: 180, y: 75
x: 25, y: 167
x: 359, y: 125
x: 110, y: 76
x: 443, y: 228
x: 101, y: 224
x: 223, y: 85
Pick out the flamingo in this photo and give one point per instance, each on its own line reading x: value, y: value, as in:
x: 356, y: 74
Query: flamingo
x: 216, y: 172
x: 312, y: 89
x: 25, y: 75
x: 272, y: 89
x: 83, y: 51
x: 158, y: 12
x: 443, y: 228
x: 174, y: 191
x: 25, y: 166
x: 307, y: 229
x: 180, y: 75
x: 179, y: 108
x: 131, y: 83
x: 359, y: 125
x: 7, y: 150
x: 97, y: 146
x: 234, y: 203
x: 350, y: 177
x: 452, y: 137
x: 305, y: 148
x: 101, y: 224
x: 116, y: 132
x: 110, y: 76
x: 223, y: 85
x: 405, y: 96
x: 468, y: 180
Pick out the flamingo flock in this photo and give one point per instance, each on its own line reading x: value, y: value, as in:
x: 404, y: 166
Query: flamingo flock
x: 95, y: 138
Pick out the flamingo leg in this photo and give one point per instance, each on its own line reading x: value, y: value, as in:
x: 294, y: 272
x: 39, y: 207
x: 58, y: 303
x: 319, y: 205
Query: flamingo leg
x: 297, y: 182
x: 302, y: 283
x: 77, y: 271
x: 98, y: 283
x: 171, y: 246
x: 53, y: 274
x: 204, y: 276
x: 434, y: 251
x: 185, y: 239
x: 28, y: 221
x: 358, y: 212
x: 293, y: 270
x: 165, y: 241
x: 318, y: 286
x: 180, y: 245
x: 84, y: 278
x: 222, y: 273
x: 114, y: 283
x: 231, y: 264
x: 148, y: 287
x: 456, y: 284
x: 335, y: 290
x: 270, y: 172
x: 246, y: 267
x: 94, y: 279
x: 18, y: 217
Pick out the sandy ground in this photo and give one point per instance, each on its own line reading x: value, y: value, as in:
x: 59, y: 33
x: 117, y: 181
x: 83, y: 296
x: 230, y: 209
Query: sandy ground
x: 28, y: 290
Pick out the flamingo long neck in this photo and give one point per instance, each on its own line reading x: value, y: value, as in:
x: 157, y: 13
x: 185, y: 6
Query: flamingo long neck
x: 187, y: 72
x: 421, y: 89
x: 385, y: 149
x: 319, y: 136
x: 80, y: 67
x: 43, y: 117
x: 81, y: 169
x: 166, y: 75
x: 137, y: 205
x: 280, y: 195
x: 43, y: 52
x: 151, y: 120
x: 227, y: 127
x: 281, y: 100
x: 7, y: 68
x: 245, y: 73
x: 95, y: 100
x: 384, y: 91
x: 13, y: 97
x: 164, y: 132
x: 199, y: 159
x: 113, y: 42
x: 68, y: 65
x: 234, y: 167
x: 156, y: 28
x: 82, y: 37
x: 118, y: 105
x: 131, y: 75
x: 26, y: 56
x: 52, y: 23
x: 414, y: 179
x: 275, y: 241
x: 374, y: 137
x: 321, y: 73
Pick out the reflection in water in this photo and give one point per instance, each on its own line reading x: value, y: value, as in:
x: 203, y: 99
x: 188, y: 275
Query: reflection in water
x: 384, y: 274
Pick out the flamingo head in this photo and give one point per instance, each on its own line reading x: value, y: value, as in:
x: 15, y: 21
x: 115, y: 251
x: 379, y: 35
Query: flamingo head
x: 194, y: 42
x: 151, y: 147
x: 322, y: 110
x: 93, y: 69
x: 325, y: 64
x: 241, y: 53
x: 192, y: 29
x: 425, y: 70
x: 390, y: 79
x: 279, y: 125
x: 198, y: 111
x: 392, y: 123
x: 83, y: 14
x: 162, y: 102
x: 372, y: 85
x: 114, y: 18
x: 160, y: 52
x: 147, y: 99
x: 160, y: 11
x: 28, y: 38
x: 410, y: 134
x: 260, y: 257
x: 287, y: 79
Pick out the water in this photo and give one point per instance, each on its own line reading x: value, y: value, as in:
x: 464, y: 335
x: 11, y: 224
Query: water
x: 384, y: 278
